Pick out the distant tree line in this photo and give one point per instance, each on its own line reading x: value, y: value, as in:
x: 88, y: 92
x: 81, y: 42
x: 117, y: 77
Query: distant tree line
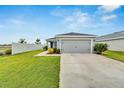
x: 5, y: 44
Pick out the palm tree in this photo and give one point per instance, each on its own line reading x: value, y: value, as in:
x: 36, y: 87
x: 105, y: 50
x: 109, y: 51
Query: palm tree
x: 22, y: 41
x: 37, y: 41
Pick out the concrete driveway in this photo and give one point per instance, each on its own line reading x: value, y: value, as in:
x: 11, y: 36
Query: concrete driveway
x: 90, y: 71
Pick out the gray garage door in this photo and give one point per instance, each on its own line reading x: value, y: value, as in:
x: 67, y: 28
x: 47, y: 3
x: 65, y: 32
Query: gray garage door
x: 76, y: 46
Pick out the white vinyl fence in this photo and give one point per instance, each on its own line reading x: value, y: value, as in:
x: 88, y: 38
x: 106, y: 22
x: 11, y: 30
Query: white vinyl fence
x: 20, y: 48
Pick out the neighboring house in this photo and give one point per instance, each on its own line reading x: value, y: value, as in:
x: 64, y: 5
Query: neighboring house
x: 72, y: 42
x: 115, y: 41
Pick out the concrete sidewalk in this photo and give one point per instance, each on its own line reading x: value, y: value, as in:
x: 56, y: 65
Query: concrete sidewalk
x: 45, y: 53
x: 90, y: 71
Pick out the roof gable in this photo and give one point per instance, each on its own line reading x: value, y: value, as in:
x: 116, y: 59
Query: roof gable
x: 115, y: 35
x: 74, y: 34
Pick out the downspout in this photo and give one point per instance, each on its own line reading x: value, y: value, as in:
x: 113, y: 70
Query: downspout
x: 91, y: 51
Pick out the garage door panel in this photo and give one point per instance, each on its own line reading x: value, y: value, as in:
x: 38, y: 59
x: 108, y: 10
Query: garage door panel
x: 69, y: 46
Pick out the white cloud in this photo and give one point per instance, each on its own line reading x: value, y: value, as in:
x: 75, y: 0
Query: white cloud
x: 108, y: 18
x: 17, y: 22
x: 72, y: 19
x: 76, y: 20
x: 77, y: 17
x: 59, y: 12
x: 108, y: 8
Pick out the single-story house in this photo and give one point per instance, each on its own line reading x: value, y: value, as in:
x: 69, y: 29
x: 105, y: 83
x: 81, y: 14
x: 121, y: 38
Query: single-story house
x: 72, y: 42
x: 115, y: 41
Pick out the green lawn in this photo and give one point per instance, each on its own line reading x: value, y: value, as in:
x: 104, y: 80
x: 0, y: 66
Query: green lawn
x: 114, y: 55
x: 27, y: 71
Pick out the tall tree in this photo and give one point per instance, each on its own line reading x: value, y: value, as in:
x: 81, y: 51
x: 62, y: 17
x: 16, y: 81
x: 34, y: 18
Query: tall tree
x: 22, y: 41
x: 37, y: 41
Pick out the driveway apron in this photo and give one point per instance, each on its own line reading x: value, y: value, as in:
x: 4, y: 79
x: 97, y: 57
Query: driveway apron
x: 90, y: 71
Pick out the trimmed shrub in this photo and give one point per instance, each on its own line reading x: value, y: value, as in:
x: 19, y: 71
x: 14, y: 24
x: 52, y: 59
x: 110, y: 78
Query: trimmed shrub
x: 50, y: 50
x: 55, y: 49
x: 58, y: 51
x: 45, y: 48
x: 8, y: 51
x: 100, y: 47
x: 1, y: 53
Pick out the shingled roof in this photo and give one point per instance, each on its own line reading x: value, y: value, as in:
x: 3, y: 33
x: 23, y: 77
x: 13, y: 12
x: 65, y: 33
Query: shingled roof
x: 75, y: 34
x: 115, y: 35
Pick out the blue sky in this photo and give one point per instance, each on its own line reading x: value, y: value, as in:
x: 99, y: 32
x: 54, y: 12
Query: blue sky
x: 31, y: 22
